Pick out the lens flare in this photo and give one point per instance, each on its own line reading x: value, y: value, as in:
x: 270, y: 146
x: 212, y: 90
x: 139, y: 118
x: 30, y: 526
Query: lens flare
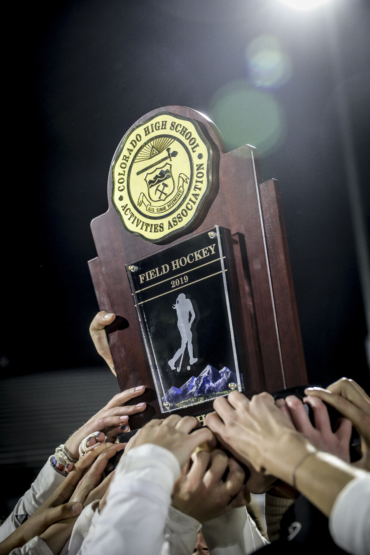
x: 304, y: 5
x: 267, y: 65
x: 248, y: 116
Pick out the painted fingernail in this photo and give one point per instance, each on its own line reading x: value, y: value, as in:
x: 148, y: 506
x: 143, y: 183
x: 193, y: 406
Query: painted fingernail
x: 123, y: 417
x: 107, y: 316
x: 125, y: 428
x: 140, y: 405
x: 76, y: 509
x: 69, y: 467
x: 139, y: 388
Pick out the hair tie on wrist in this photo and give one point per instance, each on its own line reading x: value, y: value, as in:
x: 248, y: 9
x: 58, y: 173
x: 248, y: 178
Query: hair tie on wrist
x: 63, y: 453
x: 293, y: 479
x: 70, y: 457
x: 83, y: 448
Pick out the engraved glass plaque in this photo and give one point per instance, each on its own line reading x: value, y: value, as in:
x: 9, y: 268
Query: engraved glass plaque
x: 182, y: 300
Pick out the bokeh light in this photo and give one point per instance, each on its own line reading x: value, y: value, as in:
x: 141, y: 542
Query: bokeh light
x: 304, y: 4
x: 248, y: 116
x: 267, y: 64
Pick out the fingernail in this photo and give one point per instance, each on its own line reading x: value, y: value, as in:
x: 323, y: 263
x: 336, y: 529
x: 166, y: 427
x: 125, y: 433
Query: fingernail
x: 107, y: 316
x: 139, y: 388
x: 69, y: 467
x: 140, y: 405
x: 76, y: 509
x: 123, y: 417
x: 125, y: 428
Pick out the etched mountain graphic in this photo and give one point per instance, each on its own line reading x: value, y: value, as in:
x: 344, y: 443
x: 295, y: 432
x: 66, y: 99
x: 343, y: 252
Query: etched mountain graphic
x: 187, y: 386
x: 209, y: 382
x: 173, y: 396
x: 205, y: 382
x: 226, y: 377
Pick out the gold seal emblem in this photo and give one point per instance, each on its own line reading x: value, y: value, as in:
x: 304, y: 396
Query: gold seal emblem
x: 161, y: 176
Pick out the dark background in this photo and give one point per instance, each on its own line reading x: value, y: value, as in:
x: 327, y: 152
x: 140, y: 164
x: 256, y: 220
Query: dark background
x: 79, y: 74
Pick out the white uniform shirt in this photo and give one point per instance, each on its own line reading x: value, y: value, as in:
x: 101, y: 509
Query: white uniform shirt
x: 349, y: 521
x: 47, y: 481
x: 138, y: 517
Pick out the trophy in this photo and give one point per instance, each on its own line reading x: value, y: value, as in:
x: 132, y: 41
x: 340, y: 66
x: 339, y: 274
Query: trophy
x: 193, y: 260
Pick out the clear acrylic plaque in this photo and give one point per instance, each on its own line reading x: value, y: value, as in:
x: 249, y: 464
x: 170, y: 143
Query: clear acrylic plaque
x: 182, y: 301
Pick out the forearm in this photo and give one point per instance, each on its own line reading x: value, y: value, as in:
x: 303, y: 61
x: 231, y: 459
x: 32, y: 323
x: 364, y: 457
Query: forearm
x: 42, y: 488
x: 134, y: 518
x: 322, y: 477
x: 57, y: 535
x: 317, y: 475
x: 132, y: 522
x: 36, y: 546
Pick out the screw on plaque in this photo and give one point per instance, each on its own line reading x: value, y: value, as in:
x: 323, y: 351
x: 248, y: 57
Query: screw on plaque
x: 166, y: 405
x: 133, y: 268
x: 212, y: 234
x: 232, y: 385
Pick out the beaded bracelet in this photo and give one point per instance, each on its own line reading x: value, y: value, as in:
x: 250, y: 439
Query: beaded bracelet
x: 59, y: 463
x: 62, y: 451
x: 61, y: 459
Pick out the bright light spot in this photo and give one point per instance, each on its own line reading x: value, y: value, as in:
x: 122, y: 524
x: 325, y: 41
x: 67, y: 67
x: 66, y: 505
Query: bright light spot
x: 303, y: 4
x: 268, y: 66
x: 248, y: 116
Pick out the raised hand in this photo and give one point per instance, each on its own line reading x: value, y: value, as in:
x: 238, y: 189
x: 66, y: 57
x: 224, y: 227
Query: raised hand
x: 259, y: 432
x: 320, y: 434
x: 93, y: 485
x: 256, y: 432
x: 99, y: 336
x: 200, y: 490
x: 56, y: 509
x: 350, y: 400
x: 108, y: 420
x: 37, y: 524
x: 174, y: 434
